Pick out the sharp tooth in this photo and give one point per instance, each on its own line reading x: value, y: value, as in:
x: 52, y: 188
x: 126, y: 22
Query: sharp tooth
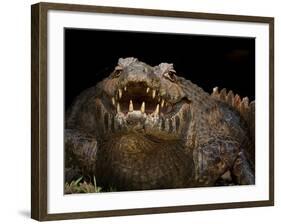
x: 118, y: 108
x: 120, y: 93
x: 147, y: 90
x: 143, y: 107
x: 113, y: 101
x: 162, y: 103
x: 153, y: 93
x: 131, y: 106
x: 125, y: 88
x: 156, y: 112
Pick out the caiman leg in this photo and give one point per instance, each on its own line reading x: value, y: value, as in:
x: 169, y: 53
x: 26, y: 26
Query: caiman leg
x: 242, y: 172
x: 213, y: 159
x: 80, y: 154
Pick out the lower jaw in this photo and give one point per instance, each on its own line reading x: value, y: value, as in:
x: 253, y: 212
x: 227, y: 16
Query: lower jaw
x: 137, y: 121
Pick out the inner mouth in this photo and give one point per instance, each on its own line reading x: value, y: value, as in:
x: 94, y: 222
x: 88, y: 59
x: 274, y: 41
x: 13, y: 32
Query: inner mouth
x: 142, y: 98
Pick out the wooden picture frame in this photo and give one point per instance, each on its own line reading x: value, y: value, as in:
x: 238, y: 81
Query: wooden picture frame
x: 40, y: 102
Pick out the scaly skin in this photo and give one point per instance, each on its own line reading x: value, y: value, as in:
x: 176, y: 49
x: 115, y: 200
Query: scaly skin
x: 144, y: 127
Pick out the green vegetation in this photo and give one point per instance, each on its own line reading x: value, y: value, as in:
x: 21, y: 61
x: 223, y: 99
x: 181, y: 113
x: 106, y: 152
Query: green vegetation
x: 81, y: 186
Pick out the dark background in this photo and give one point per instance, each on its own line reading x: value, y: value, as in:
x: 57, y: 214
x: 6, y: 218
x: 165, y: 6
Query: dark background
x: 208, y: 61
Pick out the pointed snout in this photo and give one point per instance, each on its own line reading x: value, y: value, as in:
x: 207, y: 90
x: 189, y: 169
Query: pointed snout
x: 138, y: 73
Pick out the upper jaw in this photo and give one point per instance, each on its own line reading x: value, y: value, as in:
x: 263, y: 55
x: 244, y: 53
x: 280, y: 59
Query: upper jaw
x: 140, y: 98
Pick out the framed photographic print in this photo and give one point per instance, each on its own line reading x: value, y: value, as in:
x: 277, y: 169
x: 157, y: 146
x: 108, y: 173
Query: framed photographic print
x: 138, y: 111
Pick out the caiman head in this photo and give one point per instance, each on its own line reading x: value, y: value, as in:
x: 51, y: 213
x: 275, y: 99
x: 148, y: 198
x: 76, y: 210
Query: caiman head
x: 141, y: 116
x: 137, y: 97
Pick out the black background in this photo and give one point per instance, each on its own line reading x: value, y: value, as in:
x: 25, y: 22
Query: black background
x: 208, y: 61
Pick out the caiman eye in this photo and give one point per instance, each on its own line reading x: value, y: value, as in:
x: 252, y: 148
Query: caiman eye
x: 117, y: 73
x: 171, y: 75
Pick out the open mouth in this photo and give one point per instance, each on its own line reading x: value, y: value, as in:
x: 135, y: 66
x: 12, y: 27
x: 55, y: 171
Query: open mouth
x: 141, y: 98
